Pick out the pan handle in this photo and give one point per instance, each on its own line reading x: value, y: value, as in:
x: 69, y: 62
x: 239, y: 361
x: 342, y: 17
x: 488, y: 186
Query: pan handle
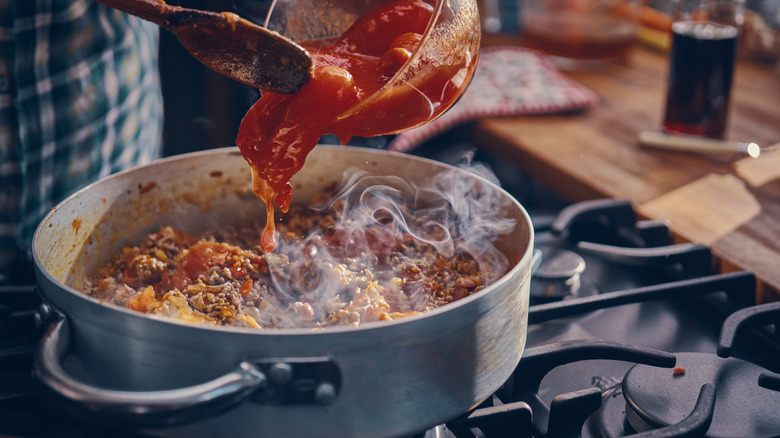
x: 268, y: 381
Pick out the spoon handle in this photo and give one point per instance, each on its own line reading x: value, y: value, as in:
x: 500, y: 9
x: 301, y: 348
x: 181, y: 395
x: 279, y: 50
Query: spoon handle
x: 156, y: 11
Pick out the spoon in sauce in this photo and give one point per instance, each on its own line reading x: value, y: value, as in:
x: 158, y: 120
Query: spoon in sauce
x: 229, y: 44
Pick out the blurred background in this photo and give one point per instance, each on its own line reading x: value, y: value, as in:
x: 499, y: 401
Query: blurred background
x: 204, y: 109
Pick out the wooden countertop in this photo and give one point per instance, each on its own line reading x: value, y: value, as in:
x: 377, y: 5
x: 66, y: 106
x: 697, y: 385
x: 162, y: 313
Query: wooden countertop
x: 729, y: 203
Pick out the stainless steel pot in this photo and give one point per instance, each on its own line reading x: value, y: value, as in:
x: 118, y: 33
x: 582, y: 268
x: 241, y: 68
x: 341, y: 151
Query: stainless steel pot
x: 391, y: 378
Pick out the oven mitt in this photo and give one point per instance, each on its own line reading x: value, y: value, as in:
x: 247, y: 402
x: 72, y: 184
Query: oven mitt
x: 508, y: 81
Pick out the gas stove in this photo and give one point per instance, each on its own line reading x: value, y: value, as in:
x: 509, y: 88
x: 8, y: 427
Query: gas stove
x: 630, y: 334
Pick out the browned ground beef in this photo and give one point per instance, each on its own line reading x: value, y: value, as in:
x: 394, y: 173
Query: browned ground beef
x: 319, y: 276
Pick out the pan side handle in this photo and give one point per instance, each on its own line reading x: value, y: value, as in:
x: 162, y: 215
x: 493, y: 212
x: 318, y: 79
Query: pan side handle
x: 265, y: 381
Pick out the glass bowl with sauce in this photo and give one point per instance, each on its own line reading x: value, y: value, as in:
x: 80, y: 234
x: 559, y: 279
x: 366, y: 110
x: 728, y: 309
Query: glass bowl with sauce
x: 580, y: 29
x: 425, y: 86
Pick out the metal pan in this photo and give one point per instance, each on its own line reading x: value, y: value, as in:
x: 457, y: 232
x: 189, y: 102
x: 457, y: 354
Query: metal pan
x: 168, y: 378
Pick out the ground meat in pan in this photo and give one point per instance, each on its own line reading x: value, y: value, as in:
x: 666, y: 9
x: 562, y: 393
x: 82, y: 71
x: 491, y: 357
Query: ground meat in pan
x: 311, y: 280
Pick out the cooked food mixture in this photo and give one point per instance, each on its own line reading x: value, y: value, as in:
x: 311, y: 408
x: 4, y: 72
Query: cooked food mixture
x: 279, y: 131
x: 322, y: 274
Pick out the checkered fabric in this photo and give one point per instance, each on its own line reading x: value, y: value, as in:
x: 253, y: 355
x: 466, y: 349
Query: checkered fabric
x: 80, y: 99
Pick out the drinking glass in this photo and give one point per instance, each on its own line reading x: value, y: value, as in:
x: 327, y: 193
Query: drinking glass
x: 701, y: 66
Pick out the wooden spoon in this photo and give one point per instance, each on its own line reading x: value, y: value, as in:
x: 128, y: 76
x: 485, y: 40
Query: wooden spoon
x: 229, y: 44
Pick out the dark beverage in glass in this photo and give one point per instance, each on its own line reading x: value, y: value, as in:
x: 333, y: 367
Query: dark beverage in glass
x: 701, y: 66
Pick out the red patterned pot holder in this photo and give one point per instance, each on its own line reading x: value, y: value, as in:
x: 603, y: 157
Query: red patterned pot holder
x: 509, y: 81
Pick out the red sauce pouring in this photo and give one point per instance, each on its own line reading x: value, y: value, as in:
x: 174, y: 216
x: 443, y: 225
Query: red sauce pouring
x: 279, y: 131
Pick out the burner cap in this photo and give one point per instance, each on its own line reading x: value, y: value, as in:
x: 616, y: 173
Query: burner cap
x: 658, y: 397
x: 558, y: 275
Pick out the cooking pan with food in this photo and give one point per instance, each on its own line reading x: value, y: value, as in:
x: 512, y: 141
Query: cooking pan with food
x: 172, y: 378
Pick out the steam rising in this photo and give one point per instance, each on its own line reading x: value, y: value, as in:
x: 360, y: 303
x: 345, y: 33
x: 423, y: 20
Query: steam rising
x: 352, y: 266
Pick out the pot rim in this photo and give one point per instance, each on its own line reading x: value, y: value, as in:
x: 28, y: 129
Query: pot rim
x: 522, y: 262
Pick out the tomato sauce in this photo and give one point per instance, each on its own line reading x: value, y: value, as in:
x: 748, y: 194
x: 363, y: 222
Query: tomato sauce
x: 199, y: 259
x: 279, y: 131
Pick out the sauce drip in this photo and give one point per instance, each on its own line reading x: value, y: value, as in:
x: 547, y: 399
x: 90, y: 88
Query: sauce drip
x: 279, y: 131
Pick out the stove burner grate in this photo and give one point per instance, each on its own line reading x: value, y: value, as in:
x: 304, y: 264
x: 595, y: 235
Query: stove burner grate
x: 658, y: 398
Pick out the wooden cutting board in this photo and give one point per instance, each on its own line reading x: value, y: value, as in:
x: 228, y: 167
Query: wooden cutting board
x: 730, y: 203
